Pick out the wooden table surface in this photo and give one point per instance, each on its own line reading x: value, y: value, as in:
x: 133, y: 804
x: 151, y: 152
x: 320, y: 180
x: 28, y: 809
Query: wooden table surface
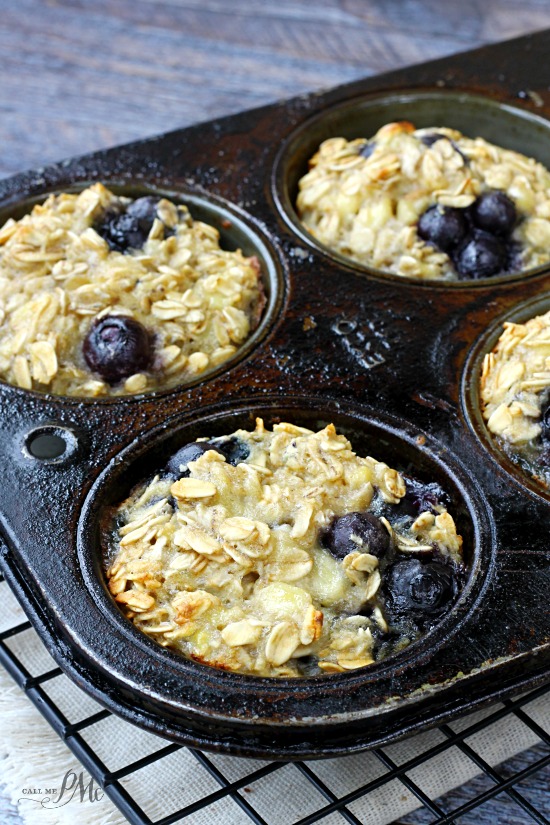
x: 79, y: 76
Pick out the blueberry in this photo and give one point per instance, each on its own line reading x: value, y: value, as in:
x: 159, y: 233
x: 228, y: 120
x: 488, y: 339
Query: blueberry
x: 442, y: 226
x: 232, y: 448
x: 404, y: 511
x: 177, y: 465
x: 128, y: 229
x: 545, y: 423
x: 121, y: 232
x: 432, y: 137
x: 514, y: 255
x: 116, y: 347
x: 544, y: 457
x: 417, y: 589
x: 367, y: 150
x: 145, y: 210
x: 424, y: 496
x: 308, y: 666
x: 481, y: 256
x: 494, y: 212
x: 361, y: 532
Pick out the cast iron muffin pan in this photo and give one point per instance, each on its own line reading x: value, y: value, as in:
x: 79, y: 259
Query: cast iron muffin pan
x: 392, y: 362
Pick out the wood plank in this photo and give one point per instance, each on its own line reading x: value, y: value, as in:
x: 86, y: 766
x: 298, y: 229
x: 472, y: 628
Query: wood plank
x: 80, y: 76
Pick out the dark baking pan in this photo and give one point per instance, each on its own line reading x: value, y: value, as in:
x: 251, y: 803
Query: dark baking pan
x: 394, y: 363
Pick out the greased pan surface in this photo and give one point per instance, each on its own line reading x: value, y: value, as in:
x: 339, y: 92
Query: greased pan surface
x: 391, y: 361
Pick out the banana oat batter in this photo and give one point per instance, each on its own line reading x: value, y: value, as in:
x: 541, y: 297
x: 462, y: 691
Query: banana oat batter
x: 515, y: 391
x: 282, y: 553
x: 104, y: 295
x: 428, y: 203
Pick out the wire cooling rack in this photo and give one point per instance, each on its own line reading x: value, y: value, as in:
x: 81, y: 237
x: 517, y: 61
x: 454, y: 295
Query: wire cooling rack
x: 516, y: 792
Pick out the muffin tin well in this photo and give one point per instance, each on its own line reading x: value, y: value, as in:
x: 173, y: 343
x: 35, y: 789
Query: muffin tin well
x: 472, y: 115
x: 384, y: 439
x: 391, y: 362
x: 520, y: 314
x: 237, y: 231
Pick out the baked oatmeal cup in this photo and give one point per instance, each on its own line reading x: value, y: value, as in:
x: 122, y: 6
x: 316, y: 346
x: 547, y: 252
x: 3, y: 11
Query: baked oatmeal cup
x: 283, y: 554
x: 106, y: 295
x: 428, y: 203
x: 515, y: 394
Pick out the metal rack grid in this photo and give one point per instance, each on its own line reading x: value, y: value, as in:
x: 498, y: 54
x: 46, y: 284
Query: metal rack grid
x: 493, y: 786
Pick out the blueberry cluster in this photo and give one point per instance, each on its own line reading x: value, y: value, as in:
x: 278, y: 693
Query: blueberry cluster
x: 233, y: 450
x: 478, y: 238
x: 417, y: 588
x: 128, y: 228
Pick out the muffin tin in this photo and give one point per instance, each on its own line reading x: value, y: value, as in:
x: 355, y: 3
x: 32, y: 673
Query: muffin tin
x: 393, y: 363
